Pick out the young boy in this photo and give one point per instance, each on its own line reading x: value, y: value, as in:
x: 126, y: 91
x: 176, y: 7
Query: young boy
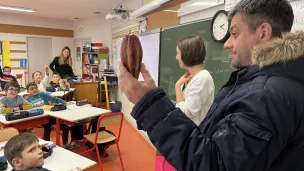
x: 12, y: 101
x: 6, y: 76
x: 58, y: 82
x: 24, y: 153
x: 37, y: 78
x: 38, y: 99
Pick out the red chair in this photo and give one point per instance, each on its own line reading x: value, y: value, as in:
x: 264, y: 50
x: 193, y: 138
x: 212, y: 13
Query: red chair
x: 25, y: 95
x: 105, y: 137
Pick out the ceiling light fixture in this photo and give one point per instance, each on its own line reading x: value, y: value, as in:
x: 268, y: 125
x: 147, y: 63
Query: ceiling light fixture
x: 16, y: 8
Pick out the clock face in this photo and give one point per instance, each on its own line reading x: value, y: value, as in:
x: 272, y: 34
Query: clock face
x: 220, y: 27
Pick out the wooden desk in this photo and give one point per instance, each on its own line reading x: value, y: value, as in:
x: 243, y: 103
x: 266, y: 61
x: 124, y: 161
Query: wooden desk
x: 73, y: 114
x: 62, y: 159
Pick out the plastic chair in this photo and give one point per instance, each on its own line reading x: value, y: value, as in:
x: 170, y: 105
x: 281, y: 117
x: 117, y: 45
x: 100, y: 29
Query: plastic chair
x: 7, y: 133
x: 19, y: 76
x: 25, y: 95
x: 105, y: 137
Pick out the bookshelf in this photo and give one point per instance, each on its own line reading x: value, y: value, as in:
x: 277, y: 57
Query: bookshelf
x: 92, y: 63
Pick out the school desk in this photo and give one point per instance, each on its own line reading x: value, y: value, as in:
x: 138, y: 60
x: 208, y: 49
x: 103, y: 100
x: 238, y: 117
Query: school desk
x: 73, y: 114
x: 25, y: 123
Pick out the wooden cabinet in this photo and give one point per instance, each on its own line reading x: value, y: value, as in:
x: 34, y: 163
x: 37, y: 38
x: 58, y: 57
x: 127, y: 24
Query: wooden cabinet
x: 86, y: 90
x: 90, y: 91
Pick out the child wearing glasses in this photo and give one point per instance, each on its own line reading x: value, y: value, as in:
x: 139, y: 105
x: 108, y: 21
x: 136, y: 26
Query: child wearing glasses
x: 38, y: 99
x: 12, y: 101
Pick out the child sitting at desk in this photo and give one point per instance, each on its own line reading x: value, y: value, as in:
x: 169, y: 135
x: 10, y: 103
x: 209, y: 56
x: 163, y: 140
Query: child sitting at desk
x: 37, y: 78
x: 58, y: 82
x: 12, y: 101
x: 24, y: 153
x: 39, y: 99
x: 6, y: 76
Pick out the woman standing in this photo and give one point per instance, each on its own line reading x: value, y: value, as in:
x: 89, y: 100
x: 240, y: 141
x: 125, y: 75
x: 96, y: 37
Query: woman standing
x: 195, y: 89
x: 63, y: 65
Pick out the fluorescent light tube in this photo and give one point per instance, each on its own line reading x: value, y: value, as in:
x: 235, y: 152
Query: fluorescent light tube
x: 16, y: 8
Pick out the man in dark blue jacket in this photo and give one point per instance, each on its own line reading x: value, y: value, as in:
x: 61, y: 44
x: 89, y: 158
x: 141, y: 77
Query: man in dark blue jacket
x: 256, y: 122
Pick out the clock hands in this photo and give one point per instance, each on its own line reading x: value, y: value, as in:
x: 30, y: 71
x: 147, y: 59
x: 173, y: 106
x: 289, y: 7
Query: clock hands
x: 222, y: 26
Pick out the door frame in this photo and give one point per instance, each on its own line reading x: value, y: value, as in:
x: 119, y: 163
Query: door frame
x: 28, y: 57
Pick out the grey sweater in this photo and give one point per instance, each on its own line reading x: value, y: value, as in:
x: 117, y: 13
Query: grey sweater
x: 7, y: 104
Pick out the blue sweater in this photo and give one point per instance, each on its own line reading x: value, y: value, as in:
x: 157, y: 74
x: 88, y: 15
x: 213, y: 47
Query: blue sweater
x: 43, y: 98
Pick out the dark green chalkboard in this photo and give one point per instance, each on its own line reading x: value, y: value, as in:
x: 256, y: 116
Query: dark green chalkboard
x: 217, y: 61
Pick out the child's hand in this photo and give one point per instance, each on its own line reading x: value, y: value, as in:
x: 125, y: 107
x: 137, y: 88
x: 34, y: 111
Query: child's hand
x: 46, y: 69
x: 51, y: 103
x: 16, y: 108
x: 70, y: 102
x: 67, y: 84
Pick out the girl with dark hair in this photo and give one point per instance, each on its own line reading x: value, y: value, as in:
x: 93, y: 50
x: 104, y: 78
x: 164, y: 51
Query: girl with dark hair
x: 195, y: 89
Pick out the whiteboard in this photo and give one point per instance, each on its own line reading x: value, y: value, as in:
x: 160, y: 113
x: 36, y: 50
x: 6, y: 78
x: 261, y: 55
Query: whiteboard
x: 116, y: 43
x: 298, y: 12
x: 150, y: 45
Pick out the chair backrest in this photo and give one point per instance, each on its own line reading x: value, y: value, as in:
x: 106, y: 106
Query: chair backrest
x: 7, y: 133
x: 111, y: 119
x: 19, y: 76
x: 25, y: 95
x: 2, y: 95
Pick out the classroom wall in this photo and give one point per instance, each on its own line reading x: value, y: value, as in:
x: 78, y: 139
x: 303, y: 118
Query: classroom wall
x: 97, y: 28
x: 201, y: 14
x: 167, y: 19
x: 35, y: 21
x: 57, y: 42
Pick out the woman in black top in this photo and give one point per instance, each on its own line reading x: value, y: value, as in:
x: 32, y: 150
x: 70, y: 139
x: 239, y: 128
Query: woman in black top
x: 63, y: 65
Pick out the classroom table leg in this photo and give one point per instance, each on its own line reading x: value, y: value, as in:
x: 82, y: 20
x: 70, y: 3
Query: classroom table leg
x: 58, y: 132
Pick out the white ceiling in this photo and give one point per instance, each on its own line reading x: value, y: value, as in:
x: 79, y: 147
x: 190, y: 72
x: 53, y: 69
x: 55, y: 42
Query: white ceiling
x: 62, y: 9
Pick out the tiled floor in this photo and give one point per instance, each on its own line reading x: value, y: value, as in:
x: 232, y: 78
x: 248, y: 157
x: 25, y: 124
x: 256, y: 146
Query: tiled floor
x: 137, y: 153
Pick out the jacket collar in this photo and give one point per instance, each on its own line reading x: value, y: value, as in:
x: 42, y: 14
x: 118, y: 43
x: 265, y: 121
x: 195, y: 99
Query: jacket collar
x: 279, y: 50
